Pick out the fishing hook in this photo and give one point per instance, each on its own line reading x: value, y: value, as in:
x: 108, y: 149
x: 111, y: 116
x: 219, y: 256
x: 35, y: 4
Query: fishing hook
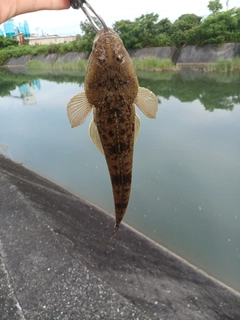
x: 76, y: 4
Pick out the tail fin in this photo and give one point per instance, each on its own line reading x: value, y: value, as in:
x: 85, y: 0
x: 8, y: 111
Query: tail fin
x: 116, y: 227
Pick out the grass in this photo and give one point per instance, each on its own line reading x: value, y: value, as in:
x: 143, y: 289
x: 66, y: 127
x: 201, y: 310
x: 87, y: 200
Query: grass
x: 19, y: 51
x: 72, y: 65
x: 151, y: 64
x: 227, y: 65
x: 154, y: 64
x: 36, y: 64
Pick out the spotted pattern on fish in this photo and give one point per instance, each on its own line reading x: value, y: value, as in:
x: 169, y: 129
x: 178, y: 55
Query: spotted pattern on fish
x: 111, y: 86
x: 112, y: 91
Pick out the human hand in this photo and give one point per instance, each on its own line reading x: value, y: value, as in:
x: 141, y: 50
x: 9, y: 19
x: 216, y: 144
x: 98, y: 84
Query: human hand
x: 11, y: 8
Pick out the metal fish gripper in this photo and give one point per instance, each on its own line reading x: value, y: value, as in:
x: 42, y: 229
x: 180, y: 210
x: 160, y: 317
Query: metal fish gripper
x: 76, y: 4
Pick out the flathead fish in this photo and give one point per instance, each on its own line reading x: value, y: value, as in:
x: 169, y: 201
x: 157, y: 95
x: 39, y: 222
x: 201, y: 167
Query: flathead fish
x: 112, y: 91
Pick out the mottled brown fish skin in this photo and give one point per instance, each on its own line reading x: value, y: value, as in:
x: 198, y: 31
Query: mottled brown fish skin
x: 111, y: 85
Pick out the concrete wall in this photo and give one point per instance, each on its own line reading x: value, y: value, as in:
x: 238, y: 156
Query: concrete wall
x: 18, y: 61
x: 208, y: 53
x: 52, y: 58
x: 159, y: 52
x: 190, y: 54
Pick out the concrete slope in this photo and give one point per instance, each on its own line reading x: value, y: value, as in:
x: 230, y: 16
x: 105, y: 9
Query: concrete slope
x: 56, y: 262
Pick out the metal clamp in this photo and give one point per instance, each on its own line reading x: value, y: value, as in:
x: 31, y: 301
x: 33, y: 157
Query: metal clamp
x: 76, y: 4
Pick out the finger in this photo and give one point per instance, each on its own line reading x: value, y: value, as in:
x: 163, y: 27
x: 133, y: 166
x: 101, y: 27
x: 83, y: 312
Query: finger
x: 11, y: 8
x: 23, y: 6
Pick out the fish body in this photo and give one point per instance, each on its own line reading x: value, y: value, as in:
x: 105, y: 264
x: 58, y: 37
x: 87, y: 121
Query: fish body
x: 111, y: 85
x: 112, y: 90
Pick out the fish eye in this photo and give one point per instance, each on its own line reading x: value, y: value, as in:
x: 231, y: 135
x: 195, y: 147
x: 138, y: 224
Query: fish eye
x: 101, y: 58
x: 119, y: 57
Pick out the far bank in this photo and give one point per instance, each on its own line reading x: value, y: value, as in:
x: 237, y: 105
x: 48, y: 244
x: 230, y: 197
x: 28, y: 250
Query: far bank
x: 184, y: 56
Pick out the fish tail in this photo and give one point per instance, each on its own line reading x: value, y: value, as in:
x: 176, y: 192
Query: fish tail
x: 119, y: 217
x: 117, y: 224
x: 121, y: 198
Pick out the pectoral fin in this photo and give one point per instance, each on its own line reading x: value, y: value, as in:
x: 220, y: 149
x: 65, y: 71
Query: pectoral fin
x: 136, y: 127
x: 94, y: 135
x: 78, y: 109
x: 147, y: 102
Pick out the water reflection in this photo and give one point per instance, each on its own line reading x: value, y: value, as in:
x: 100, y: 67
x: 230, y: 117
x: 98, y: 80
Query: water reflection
x: 10, y: 79
x: 27, y: 92
x: 213, y: 90
x: 186, y: 172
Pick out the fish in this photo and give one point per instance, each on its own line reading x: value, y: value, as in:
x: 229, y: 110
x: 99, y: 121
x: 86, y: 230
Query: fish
x: 111, y: 91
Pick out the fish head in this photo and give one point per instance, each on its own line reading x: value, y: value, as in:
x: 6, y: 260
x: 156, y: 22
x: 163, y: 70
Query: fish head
x: 110, y: 69
x: 109, y: 49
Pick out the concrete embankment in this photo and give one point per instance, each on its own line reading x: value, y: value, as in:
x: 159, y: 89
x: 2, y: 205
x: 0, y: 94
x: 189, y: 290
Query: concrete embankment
x: 190, y: 54
x: 208, y: 53
x: 49, y: 58
x: 57, y: 262
x: 185, y: 55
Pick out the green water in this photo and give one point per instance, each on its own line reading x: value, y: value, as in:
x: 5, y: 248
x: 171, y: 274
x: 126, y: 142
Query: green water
x: 186, y: 175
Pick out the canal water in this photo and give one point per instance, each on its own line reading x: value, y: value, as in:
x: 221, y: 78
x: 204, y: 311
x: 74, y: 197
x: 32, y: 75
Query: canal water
x: 186, y: 172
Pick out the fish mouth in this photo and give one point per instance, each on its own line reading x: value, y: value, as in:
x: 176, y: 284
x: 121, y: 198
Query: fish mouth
x: 76, y: 4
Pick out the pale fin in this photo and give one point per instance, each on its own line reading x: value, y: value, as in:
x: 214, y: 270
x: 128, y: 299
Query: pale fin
x: 94, y: 135
x: 78, y: 109
x: 136, y: 127
x: 147, y: 102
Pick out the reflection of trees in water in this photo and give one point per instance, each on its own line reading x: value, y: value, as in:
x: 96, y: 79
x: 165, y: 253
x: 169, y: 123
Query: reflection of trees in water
x: 213, y: 90
x: 9, y: 81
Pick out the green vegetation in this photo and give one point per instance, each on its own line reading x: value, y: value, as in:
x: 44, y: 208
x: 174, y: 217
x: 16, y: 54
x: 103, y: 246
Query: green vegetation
x: 180, y: 29
x: 150, y: 63
x: 222, y: 27
x: 154, y: 64
x: 37, y: 64
x: 227, y: 65
x: 215, y: 6
x: 7, y: 42
x: 146, y: 31
x: 214, y: 90
x: 9, y: 81
x: 11, y: 51
x: 188, y: 29
x: 89, y: 34
x: 143, y: 32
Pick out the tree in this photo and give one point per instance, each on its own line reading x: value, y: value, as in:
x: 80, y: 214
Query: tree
x: 148, y: 29
x: 217, y: 29
x: 128, y: 32
x: 164, y: 25
x: 7, y: 42
x: 89, y: 33
x: 188, y: 29
x: 215, y: 6
x: 143, y: 32
x: 180, y: 28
